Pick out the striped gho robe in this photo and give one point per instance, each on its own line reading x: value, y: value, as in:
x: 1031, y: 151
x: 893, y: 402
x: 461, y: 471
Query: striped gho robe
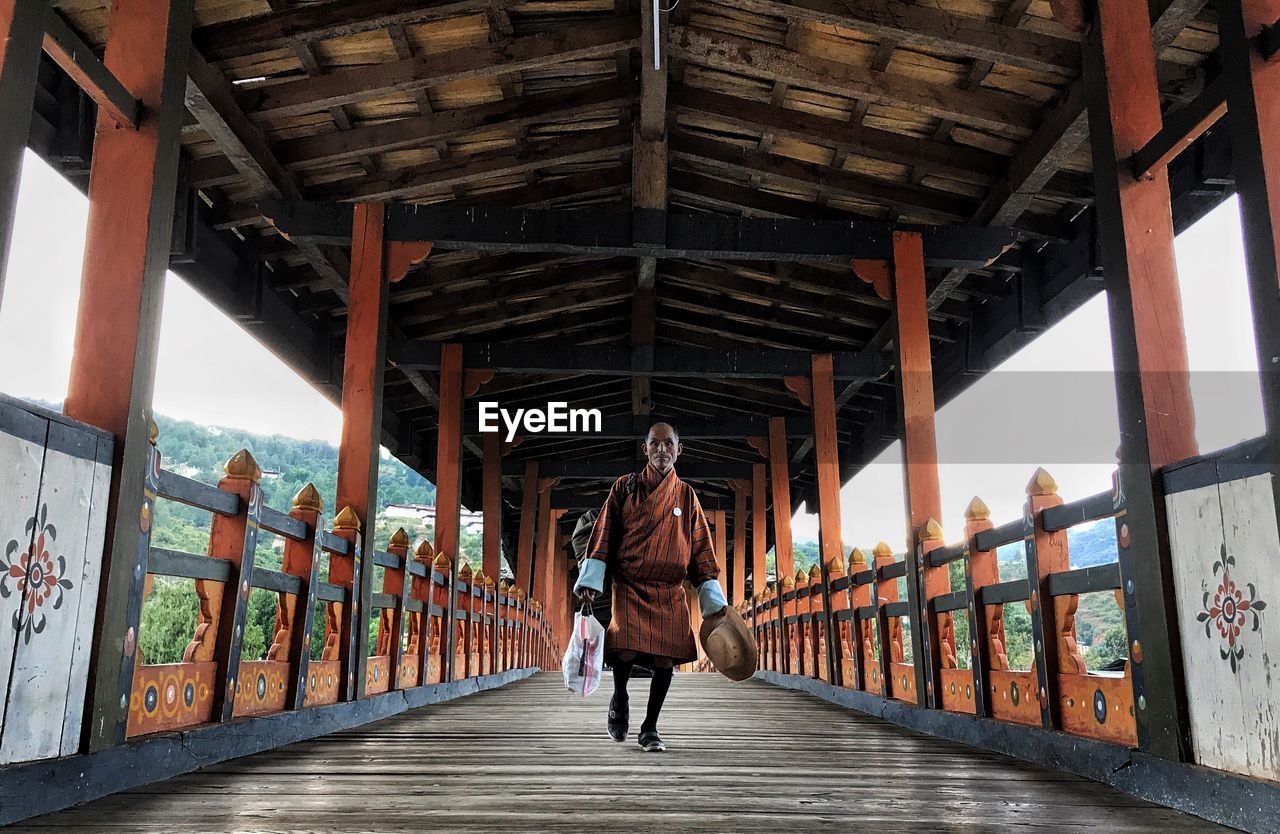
x: 664, y: 541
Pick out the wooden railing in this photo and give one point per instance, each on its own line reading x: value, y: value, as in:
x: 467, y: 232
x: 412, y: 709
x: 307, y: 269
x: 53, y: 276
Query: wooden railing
x: 867, y: 648
x: 432, y: 626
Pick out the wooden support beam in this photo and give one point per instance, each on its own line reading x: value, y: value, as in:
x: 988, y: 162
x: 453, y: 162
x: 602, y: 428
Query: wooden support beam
x: 738, y: 555
x: 946, y: 160
x: 362, y: 379
x: 1253, y: 94
x: 501, y: 57
x: 1181, y: 127
x: 981, y: 109
x: 77, y: 60
x: 449, y: 469
x: 21, y: 28
x: 1157, y: 421
x: 826, y: 449
x: 131, y: 202
x: 933, y: 29
x: 506, y: 115
x: 544, y: 561
x: 780, y: 478
x: 492, y: 504
x: 528, y: 526
x: 599, y: 233
x: 719, y: 541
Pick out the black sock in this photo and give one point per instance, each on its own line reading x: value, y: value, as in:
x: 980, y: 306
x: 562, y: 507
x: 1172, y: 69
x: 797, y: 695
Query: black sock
x: 621, y: 674
x: 657, y: 694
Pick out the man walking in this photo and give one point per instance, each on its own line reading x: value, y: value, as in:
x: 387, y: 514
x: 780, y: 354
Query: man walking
x: 653, y: 536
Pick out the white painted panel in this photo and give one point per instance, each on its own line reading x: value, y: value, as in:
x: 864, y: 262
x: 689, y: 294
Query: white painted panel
x: 1253, y: 542
x: 39, y: 689
x: 95, y: 540
x: 20, y: 464
x: 1224, y: 540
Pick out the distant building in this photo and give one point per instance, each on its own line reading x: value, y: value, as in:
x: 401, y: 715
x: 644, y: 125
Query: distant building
x: 425, y: 514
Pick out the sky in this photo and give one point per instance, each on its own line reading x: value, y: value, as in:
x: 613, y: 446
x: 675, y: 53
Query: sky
x: 1052, y: 404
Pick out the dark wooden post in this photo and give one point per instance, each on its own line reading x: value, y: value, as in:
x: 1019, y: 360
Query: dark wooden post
x: 528, y: 528
x: 738, y: 563
x: 1157, y: 423
x: 543, y: 563
x: 362, y: 377
x: 21, y: 31
x: 131, y: 200
x: 491, y: 490
x: 719, y: 538
x: 759, y: 530
x: 783, y: 561
x: 1253, y: 102
x: 831, y: 547
x: 449, y: 473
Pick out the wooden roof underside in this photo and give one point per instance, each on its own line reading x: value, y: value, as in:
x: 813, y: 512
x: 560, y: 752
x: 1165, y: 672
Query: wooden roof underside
x: 946, y: 111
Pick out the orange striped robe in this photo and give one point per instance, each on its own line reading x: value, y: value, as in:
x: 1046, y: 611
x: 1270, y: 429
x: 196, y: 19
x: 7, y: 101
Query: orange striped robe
x: 665, y: 540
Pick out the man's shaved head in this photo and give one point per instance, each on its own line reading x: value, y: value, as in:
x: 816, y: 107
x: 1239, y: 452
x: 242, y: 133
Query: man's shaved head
x: 662, y: 446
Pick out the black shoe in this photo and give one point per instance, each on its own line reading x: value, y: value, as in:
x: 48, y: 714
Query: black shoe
x: 650, y: 742
x: 618, y: 717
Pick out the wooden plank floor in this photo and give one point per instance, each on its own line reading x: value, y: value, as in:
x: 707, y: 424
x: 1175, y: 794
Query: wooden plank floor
x: 531, y: 757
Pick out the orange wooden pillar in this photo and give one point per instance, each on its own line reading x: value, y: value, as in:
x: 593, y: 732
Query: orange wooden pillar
x: 1153, y: 394
x: 719, y: 536
x: 491, y: 507
x: 543, y: 566
x: 21, y: 31
x: 781, y: 483
x: 919, y: 443
x: 831, y: 548
x: 362, y: 376
x: 528, y: 528
x: 131, y: 200
x: 759, y: 522
x: 738, y: 555
x: 449, y: 472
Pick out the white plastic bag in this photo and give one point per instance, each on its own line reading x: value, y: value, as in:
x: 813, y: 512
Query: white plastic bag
x: 584, y: 659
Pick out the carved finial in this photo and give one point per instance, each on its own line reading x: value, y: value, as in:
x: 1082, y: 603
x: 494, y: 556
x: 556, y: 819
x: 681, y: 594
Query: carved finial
x: 243, y: 466
x: 882, y: 549
x: 977, y: 510
x: 153, y: 433
x: 443, y: 561
x: 478, y: 577
x: 488, y: 582
x: 308, y: 498
x: 931, y: 531
x: 857, y: 557
x: 788, y: 581
x: 802, y: 578
x: 505, y: 585
x: 424, y: 552
x: 836, y: 566
x: 815, y: 573
x: 520, y: 594
x: 346, y: 520
x: 399, y: 538
x: 1042, y: 483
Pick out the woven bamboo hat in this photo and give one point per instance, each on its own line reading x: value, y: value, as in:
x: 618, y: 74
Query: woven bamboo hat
x: 729, y: 644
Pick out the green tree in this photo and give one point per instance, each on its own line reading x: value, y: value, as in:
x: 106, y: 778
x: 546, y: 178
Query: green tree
x: 1113, y: 646
x: 168, y: 620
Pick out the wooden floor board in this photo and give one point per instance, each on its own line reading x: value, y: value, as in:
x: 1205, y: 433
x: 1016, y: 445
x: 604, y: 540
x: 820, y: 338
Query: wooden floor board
x: 532, y: 757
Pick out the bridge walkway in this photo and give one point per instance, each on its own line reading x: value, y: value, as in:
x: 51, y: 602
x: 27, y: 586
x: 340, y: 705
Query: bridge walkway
x: 531, y: 757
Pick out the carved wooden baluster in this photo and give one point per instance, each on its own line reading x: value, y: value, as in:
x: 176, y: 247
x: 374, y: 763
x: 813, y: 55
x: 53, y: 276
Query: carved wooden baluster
x: 476, y: 630
x: 786, y: 632
x: 507, y: 595
x: 938, y: 631
x: 841, y: 632
x: 420, y: 623
x: 1047, y: 554
x: 489, y: 658
x: 801, y: 663
x: 986, y: 622
x: 817, y: 642
x: 391, y: 621
x: 866, y: 675
x: 890, y: 627
x: 295, y: 615
x: 344, y: 571
x: 440, y: 591
x: 462, y: 645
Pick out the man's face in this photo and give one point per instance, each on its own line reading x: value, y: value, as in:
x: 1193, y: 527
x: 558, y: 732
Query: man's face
x: 662, y: 447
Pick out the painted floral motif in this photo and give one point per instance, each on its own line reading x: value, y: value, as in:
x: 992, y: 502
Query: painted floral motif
x: 1230, y: 611
x: 35, y: 575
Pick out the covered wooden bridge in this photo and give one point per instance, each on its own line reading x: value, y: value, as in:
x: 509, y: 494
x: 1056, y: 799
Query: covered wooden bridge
x: 793, y: 229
